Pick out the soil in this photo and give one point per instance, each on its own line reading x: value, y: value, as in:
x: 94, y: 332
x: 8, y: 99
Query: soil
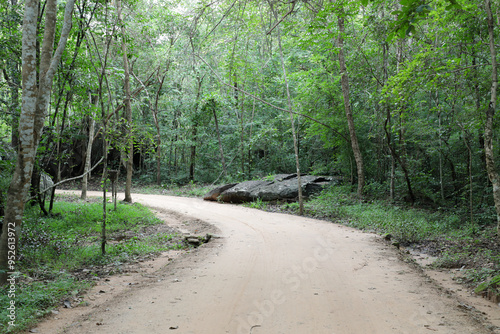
x: 273, y: 273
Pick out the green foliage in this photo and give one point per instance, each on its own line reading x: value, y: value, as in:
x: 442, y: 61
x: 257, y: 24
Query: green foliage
x: 407, y: 225
x: 6, y: 172
x: 34, y: 300
x: 257, y: 204
x: 54, y: 248
x: 492, y: 285
x: 70, y: 237
x: 451, y: 260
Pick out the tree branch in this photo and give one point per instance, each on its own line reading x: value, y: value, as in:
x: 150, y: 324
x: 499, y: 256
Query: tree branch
x: 284, y: 16
x: 76, y: 177
x: 269, y: 104
x: 215, y: 27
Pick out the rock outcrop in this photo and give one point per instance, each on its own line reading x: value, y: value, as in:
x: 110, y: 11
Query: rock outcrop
x: 281, y: 187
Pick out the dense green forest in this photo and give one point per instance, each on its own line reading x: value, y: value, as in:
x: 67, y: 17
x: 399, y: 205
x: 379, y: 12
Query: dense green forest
x: 396, y: 97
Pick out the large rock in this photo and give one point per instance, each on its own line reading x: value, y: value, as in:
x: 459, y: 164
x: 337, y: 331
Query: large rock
x: 243, y: 192
x: 214, y: 194
x: 281, y: 187
x: 288, y: 188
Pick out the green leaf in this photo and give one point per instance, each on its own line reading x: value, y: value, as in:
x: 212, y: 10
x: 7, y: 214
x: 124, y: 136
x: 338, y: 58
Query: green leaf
x: 406, y: 2
x: 423, y: 8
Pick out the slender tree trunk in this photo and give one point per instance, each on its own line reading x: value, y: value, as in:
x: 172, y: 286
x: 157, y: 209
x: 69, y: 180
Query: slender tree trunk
x: 441, y: 182
x: 128, y: 108
x: 104, y: 200
x: 250, y: 139
x: 13, y: 81
x: 194, y: 131
x: 402, y: 163
x: 221, y: 150
x: 193, y: 152
x: 347, y: 106
x: 242, y: 136
x: 290, y: 110
x: 35, y: 99
x: 59, y: 145
x: 490, y: 115
x: 469, y: 169
x: 158, y: 132
x: 88, y: 154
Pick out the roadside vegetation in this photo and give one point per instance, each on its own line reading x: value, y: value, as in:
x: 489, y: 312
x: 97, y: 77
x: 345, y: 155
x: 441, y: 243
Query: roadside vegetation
x: 61, y: 254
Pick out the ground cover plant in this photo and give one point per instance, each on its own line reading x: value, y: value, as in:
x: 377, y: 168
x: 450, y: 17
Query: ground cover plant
x: 61, y: 254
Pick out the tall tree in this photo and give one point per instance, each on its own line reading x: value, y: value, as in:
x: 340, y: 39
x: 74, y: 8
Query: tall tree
x: 347, y: 105
x: 490, y: 115
x: 35, y: 100
x: 128, y: 107
x: 290, y: 110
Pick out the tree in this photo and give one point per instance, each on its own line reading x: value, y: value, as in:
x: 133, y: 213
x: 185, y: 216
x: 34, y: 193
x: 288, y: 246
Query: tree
x: 35, y: 100
x: 490, y: 114
x: 347, y: 105
x: 290, y: 110
x: 128, y: 107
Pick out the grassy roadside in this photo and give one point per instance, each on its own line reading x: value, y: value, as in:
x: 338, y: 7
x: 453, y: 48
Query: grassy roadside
x: 447, y: 234
x: 61, y: 255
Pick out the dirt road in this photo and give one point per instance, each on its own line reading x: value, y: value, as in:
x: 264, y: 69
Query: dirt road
x: 277, y: 274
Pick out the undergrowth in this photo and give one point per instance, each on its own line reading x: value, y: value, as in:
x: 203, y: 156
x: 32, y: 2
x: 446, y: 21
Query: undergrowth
x: 55, y: 249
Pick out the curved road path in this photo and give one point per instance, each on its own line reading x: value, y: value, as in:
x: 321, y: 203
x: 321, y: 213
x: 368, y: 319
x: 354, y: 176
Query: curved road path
x: 279, y: 274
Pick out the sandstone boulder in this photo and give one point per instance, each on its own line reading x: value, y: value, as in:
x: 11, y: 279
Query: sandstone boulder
x: 279, y: 187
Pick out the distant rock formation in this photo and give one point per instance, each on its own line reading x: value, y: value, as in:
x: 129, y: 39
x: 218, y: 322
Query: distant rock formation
x: 281, y: 187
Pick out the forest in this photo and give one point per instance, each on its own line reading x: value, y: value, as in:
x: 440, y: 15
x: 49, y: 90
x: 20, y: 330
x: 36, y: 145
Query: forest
x: 397, y: 98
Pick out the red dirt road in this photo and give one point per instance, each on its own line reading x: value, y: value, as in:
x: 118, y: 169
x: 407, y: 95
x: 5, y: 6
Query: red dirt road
x: 274, y: 274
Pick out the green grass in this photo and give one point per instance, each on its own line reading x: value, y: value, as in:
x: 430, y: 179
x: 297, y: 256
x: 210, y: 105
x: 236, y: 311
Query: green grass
x: 36, y: 299
x: 408, y: 225
x: 172, y: 189
x: 55, y: 249
x: 257, y: 204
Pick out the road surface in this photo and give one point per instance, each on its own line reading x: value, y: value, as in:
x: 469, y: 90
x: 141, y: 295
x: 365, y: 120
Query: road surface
x: 276, y: 274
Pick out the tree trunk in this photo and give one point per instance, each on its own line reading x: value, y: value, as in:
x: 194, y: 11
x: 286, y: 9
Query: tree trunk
x: 104, y: 200
x: 158, y: 155
x: 35, y: 99
x: 402, y: 163
x: 392, y: 176
x: 193, y: 152
x: 490, y: 114
x: 12, y: 76
x: 194, y: 131
x: 347, y: 106
x: 221, y: 150
x: 158, y: 132
x: 88, y: 154
x: 290, y: 110
x: 128, y: 108
x: 250, y: 139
